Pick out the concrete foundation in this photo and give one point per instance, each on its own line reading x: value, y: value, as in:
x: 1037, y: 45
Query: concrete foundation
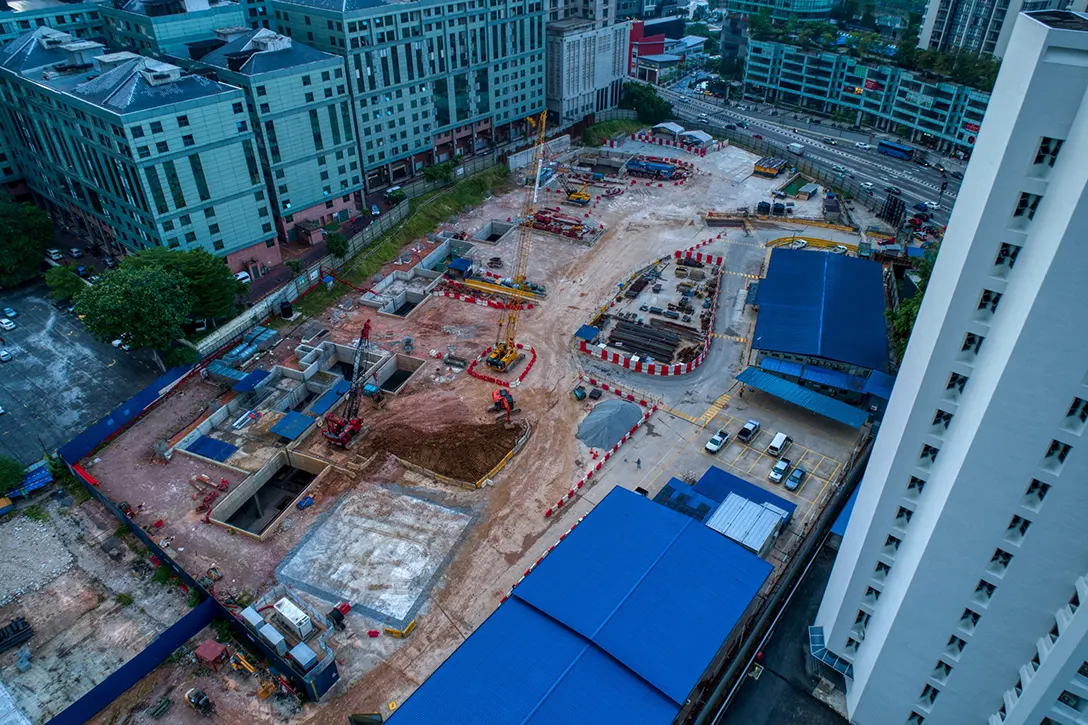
x: 394, y: 373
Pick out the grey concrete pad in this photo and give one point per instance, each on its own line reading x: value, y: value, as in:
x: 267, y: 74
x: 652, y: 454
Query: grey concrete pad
x: 381, y: 549
x: 60, y: 379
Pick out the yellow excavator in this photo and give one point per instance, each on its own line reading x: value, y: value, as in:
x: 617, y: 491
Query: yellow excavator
x: 505, y: 354
x: 265, y: 686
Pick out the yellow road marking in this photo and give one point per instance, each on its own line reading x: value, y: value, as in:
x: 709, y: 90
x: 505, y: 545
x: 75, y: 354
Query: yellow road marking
x: 734, y: 338
x: 715, y: 408
x: 112, y: 363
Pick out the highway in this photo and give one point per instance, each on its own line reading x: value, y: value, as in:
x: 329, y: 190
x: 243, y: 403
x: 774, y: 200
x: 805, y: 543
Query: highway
x: 918, y: 183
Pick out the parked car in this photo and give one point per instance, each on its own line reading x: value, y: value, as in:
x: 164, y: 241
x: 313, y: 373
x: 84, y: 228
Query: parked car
x: 893, y: 190
x: 798, y: 244
x: 796, y: 479
x: 75, y: 253
x: 110, y: 262
x: 6, y: 324
x: 780, y: 470
x: 863, y: 146
x: 375, y: 210
x: 748, y: 432
x: 83, y: 272
x: 718, y: 442
x: 10, y: 312
x: 243, y: 277
x: 839, y: 249
x: 54, y: 254
x: 5, y: 356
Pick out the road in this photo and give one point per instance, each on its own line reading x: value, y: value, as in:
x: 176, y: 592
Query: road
x: 918, y: 183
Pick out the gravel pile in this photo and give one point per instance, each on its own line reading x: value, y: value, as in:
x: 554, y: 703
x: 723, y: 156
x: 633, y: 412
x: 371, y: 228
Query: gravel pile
x: 33, y: 557
x: 609, y: 421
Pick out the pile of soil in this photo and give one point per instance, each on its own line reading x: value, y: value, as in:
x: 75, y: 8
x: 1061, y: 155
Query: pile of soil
x: 465, y: 452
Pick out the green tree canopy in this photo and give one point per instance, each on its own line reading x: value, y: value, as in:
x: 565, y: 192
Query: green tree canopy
x: 145, y: 305
x: 336, y: 244
x: 11, y: 474
x: 64, y: 283
x: 213, y: 288
x: 650, y: 107
x: 25, y: 233
x: 760, y: 27
x: 701, y: 30
x: 903, y: 319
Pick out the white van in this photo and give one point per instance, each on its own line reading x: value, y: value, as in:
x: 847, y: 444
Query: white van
x: 243, y: 277
x: 779, y: 445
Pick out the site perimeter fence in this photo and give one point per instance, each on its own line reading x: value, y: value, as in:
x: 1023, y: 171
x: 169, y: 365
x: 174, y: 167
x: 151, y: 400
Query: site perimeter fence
x: 305, y: 280
x: 840, y: 183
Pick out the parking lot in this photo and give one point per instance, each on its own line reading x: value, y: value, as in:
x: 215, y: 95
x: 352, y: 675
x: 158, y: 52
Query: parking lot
x: 60, y: 379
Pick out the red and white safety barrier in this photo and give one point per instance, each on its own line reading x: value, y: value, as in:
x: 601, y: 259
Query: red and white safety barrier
x: 541, y: 559
x: 473, y: 300
x: 491, y: 379
x: 569, y: 495
x: 699, y: 151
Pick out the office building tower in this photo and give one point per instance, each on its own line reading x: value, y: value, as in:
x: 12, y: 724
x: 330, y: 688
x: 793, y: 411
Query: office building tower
x: 957, y: 595
x: 975, y: 27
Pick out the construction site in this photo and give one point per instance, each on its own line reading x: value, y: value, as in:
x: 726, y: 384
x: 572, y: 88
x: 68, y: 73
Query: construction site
x: 392, y: 467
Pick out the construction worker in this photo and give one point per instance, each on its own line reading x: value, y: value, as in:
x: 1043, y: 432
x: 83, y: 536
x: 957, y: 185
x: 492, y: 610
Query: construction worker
x: 638, y: 463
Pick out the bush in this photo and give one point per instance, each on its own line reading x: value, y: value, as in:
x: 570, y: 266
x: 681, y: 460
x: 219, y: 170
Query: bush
x: 68, y: 482
x: 223, y: 631
x: 194, y: 598
x: 294, y: 265
x: 36, y: 513
x: 125, y: 600
x: 396, y: 197
x: 598, y: 133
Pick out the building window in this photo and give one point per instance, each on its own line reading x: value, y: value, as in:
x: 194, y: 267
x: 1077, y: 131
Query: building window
x: 969, y: 620
x: 264, y: 108
x: 187, y: 140
x: 305, y: 80
x: 213, y: 229
x: 915, y: 719
x: 929, y: 453
x: 915, y: 486
x: 1017, y: 529
x: 266, y: 227
x: 1006, y: 255
x: 184, y: 220
x: 902, y: 517
x: 891, y: 544
x: 262, y: 91
x: 972, y: 343
x: 956, y: 382
x: 238, y: 107
x: 999, y: 562
x: 143, y: 152
x: 190, y: 237
x: 1027, y: 205
x: 984, y: 592
x: 209, y: 212
x: 242, y: 126
x: 168, y: 226
x: 1048, y: 151
x: 1057, y: 453
x: 309, y: 97
x: 941, y: 671
x: 954, y: 648
x: 1077, y: 415
x: 137, y: 132
x: 156, y: 127
x: 942, y: 419
x: 1037, y: 491
x: 183, y: 121
x: 989, y: 301
x: 217, y: 245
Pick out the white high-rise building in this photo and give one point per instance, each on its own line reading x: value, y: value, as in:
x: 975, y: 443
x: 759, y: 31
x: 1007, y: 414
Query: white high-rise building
x: 975, y: 26
x: 960, y: 591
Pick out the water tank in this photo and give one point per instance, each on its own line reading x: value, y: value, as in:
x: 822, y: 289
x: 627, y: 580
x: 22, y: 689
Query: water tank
x: 287, y: 310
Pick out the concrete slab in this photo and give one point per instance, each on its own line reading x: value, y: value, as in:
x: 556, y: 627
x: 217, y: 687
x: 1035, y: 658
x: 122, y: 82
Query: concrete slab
x: 381, y: 548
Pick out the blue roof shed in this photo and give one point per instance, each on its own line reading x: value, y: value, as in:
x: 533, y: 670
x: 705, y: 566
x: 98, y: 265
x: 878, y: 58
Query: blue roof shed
x: 716, y: 484
x: 292, y: 425
x: 823, y: 305
x: 803, y: 397
x: 573, y: 643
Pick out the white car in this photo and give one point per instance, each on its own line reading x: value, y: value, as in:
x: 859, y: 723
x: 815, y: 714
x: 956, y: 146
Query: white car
x: 839, y: 249
x: 780, y: 470
x: 5, y: 356
x: 863, y: 146
x: 718, y: 442
x: 867, y: 185
x: 933, y: 205
x: 799, y: 244
x: 243, y: 277
x: 6, y: 324
x: 840, y: 169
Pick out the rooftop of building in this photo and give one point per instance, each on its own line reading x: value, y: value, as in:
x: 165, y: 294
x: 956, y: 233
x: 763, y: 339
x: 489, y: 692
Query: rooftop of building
x: 572, y: 637
x: 567, y: 25
x: 823, y: 305
x: 342, y: 6
x: 1060, y: 19
x: 263, y: 51
x: 661, y: 58
x: 30, y: 6
x: 117, y: 82
x: 161, y: 8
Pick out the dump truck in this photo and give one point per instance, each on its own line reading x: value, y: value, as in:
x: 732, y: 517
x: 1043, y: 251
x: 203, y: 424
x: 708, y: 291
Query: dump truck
x: 796, y: 148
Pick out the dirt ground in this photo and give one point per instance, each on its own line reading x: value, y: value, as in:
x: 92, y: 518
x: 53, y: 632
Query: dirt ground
x: 439, y: 417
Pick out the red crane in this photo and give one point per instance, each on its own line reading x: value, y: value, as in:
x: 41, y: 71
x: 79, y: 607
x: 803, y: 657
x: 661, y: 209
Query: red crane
x: 342, y: 430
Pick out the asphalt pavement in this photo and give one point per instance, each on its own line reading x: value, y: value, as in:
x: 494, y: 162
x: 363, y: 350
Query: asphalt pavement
x: 917, y: 183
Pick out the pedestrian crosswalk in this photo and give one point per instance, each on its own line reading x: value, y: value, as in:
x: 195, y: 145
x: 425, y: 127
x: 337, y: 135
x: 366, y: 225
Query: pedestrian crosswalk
x: 712, y: 412
x: 733, y: 338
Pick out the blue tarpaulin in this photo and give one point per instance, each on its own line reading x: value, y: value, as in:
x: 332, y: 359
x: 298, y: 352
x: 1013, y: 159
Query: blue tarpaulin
x: 461, y: 264
x: 803, y: 397
x: 572, y: 644
x: 249, y: 382
x: 823, y: 305
x: 915, y: 252
x: 324, y: 404
x: 208, y: 447
x: 587, y: 333
x: 292, y: 425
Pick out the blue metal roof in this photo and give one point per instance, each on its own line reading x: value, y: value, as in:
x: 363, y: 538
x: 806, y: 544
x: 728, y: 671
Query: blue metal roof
x: 782, y: 367
x: 880, y: 385
x: 292, y: 425
x: 572, y: 644
x: 587, y: 333
x: 212, y: 448
x: 803, y: 397
x: 825, y: 305
x: 839, y: 527
x: 679, y: 496
x: 716, y: 484
x: 249, y: 382
x: 915, y: 252
x: 461, y: 264
x: 833, y: 378
x: 323, y: 404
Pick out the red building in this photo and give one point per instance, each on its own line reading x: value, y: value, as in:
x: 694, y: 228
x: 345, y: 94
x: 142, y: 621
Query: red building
x: 642, y: 45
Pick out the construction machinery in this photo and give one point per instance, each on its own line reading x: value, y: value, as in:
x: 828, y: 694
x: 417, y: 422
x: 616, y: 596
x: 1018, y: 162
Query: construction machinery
x: 265, y: 686
x: 575, y: 195
x: 505, y: 354
x: 200, y: 702
x: 343, y: 431
x: 503, y: 404
x: 159, y: 708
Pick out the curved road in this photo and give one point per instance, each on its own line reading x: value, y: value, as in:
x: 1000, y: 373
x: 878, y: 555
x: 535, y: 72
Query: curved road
x: 918, y: 183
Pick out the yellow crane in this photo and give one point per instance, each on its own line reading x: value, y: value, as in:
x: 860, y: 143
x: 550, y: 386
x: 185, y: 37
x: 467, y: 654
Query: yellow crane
x: 505, y: 354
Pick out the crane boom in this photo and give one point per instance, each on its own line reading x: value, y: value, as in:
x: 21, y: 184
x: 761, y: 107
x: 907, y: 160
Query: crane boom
x: 506, y: 353
x: 341, y: 430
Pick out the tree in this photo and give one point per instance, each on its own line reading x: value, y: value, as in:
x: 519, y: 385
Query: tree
x: 337, y: 244
x: 396, y: 197
x: 146, y: 306
x: 213, y: 288
x: 760, y: 27
x: 294, y: 265
x: 701, y: 30
x: 11, y: 474
x: 903, y: 319
x: 25, y: 232
x: 63, y: 283
x: 439, y: 172
x: 650, y: 107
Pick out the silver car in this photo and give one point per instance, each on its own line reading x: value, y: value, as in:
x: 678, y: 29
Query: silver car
x: 780, y: 470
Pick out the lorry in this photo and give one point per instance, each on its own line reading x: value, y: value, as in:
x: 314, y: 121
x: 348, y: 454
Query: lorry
x: 796, y: 148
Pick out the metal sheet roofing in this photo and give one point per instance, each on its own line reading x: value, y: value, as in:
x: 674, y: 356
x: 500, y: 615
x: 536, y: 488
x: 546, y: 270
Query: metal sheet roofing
x: 265, y: 61
x: 587, y: 333
x: 748, y: 523
x: 833, y: 378
x: 825, y: 305
x: 212, y: 448
x: 292, y: 425
x: 323, y: 404
x: 571, y: 644
x: 680, y: 497
x: 880, y: 384
x: 782, y: 367
x: 717, y: 484
x: 250, y: 381
x: 669, y: 126
x: 803, y: 397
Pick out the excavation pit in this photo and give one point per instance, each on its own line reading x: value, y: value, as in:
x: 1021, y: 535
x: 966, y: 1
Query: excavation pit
x: 463, y: 452
x: 395, y: 372
x: 256, y: 507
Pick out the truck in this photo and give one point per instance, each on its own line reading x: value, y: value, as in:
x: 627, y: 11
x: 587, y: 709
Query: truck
x: 796, y: 148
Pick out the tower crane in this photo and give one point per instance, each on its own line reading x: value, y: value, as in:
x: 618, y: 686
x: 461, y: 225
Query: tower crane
x: 342, y: 430
x: 505, y: 354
